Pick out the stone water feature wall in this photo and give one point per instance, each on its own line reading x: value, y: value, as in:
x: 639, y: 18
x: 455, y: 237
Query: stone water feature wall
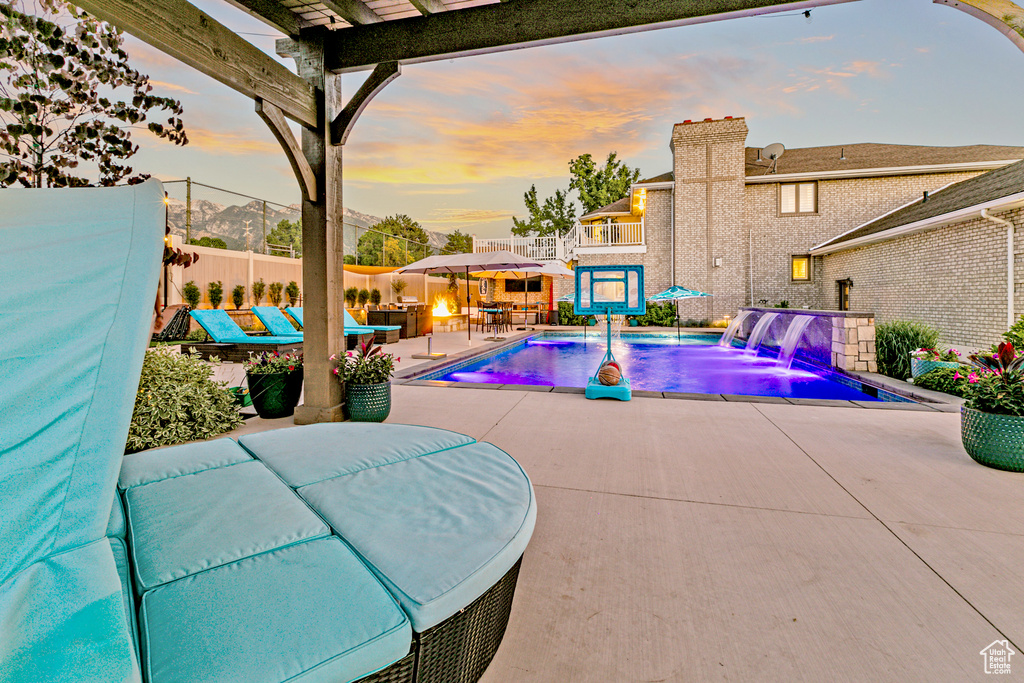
x: 840, y: 339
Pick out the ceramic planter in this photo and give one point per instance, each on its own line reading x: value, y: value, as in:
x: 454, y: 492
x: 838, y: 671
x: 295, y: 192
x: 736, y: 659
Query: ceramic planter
x: 275, y: 395
x: 993, y: 440
x: 368, y: 402
x: 920, y: 367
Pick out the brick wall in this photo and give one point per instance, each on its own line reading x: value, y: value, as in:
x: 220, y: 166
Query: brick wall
x: 842, y: 206
x: 953, y: 278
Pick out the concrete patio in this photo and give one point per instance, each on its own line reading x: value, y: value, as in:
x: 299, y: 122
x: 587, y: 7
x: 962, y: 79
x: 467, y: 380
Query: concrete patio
x: 684, y: 540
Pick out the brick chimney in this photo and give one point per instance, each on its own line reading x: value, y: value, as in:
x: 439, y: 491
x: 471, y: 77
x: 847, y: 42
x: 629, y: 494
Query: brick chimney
x: 711, y: 248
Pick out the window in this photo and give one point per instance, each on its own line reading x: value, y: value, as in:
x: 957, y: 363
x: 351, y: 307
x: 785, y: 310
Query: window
x: 798, y: 198
x: 530, y: 285
x: 800, y: 268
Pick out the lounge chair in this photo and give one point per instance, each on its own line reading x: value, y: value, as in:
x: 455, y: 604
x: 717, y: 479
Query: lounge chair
x: 289, y: 555
x: 275, y: 321
x: 354, y: 332
x: 231, y: 343
x: 385, y: 334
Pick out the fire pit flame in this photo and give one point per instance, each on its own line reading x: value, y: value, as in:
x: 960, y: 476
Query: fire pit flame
x: 441, y: 309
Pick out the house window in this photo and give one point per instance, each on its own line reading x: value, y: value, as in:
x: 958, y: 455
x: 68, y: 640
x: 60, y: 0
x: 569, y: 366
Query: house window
x: 800, y: 268
x: 798, y: 198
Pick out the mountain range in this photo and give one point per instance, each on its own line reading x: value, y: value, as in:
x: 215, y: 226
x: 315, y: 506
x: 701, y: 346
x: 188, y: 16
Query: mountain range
x: 210, y: 219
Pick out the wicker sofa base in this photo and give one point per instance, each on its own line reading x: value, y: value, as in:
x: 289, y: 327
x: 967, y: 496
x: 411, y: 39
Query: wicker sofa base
x: 237, y: 353
x: 387, y: 336
x: 459, y: 649
x: 400, y: 672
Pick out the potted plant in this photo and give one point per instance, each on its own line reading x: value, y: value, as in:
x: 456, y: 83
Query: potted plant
x: 275, y: 383
x: 363, y: 297
x: 238, y: 296
x: 215, y: 290
x: 366, y: 373
x: 924, y: 361
x: 258, y: 288
x: 992, y: 417
x: 375, y: 296
x: 275, y: 293
x: 351, y: 294
x: 292, y: 290
x: 192, y: 294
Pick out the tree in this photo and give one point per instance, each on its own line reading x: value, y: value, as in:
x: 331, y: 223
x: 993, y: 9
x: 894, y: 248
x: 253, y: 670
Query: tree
x: 192, y: 294
x: 275, y: 293
x: 458, y: 243
x: 212, y: 242
x: 60, y: 100
x: 258, y: 288
x: 292, y: 290
x: 598, y: 187
x: 351, y: 294
x: 555, y: 217
x: 363, y: 296
x: 215, y: 290
x: 287, y: 233
x: 238, y: 296
x: 396, y: 251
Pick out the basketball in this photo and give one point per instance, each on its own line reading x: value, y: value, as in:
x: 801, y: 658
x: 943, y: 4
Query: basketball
x: 609, y: 374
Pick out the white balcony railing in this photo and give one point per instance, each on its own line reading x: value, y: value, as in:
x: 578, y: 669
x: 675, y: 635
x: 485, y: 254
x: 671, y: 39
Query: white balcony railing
x: 563, y: 248
x: 610, y: 235
x: 539, y: 248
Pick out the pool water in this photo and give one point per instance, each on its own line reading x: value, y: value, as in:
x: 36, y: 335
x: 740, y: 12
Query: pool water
x: 690, y: 365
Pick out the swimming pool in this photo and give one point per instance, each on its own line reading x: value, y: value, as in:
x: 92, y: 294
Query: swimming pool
x: 694, y: 364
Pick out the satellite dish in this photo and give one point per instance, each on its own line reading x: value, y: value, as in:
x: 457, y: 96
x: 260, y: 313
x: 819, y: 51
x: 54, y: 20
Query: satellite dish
x: 774, y: 150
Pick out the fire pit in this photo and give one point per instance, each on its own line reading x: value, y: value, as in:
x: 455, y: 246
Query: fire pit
x: 446, y: 320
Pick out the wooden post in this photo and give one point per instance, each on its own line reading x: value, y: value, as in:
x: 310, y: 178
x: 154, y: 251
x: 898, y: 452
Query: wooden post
x: 322, y: 248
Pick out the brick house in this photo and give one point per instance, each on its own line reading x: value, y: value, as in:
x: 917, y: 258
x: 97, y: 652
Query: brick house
x: 751, y: 229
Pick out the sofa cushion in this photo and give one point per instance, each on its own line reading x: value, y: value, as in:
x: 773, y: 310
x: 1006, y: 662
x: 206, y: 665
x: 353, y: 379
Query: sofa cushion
x: 438, y: 530
x: 310, y: 612
x: 62, y: 620
x: 177, y: 461
x: 306, y: 455
x: 188, y: 524
x: 116, y: 525
x: 120, y: 552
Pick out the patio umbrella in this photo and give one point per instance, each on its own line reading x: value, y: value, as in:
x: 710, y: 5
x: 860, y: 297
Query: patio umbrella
x: 473, y: 262
x: 551, y: 269
x: 674, y: 294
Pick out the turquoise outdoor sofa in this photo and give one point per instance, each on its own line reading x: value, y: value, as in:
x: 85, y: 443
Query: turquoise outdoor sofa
x: 385, y: 334
x: 336, y: 552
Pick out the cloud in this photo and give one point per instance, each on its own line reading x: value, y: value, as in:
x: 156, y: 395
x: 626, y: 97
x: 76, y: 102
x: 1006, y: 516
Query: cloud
x: 487, y: 120
x: 229, y: 142
x: 464, y: 216
x: 837, y: 80
x: 171, y: 86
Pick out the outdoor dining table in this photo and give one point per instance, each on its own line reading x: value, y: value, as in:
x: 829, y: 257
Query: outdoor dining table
x: 492, y: 321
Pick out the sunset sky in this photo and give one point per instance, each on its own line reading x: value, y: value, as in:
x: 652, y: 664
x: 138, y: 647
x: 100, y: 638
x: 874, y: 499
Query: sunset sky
x: 455, y: 144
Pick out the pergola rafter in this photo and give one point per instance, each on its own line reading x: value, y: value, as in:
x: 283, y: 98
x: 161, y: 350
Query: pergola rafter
x: 328, y: 37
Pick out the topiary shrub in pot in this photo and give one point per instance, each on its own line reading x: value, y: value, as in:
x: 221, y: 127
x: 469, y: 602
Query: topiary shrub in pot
x: 258, y: 289
x: 274, y: 293
x: 215, y: 290
x: 238, y: 296
x: 192, y: 294
x: 992, y: 417
x: 292, y: 290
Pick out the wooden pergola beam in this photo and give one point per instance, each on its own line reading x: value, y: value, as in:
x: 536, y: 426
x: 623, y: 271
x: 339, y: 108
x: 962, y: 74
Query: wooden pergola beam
x: 525, y: 23
x: 352, y: 11
x: 381, y: 75
x: 178, y: 28
x: 272, y: 13
x: 429, y: 6
x: 273, y: 117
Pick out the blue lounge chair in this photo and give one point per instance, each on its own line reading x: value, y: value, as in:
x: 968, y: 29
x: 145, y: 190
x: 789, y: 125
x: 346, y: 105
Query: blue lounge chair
x: 223, y: 330
x: 354, y: 332
x: 296, y: 313
x: 275, y: 321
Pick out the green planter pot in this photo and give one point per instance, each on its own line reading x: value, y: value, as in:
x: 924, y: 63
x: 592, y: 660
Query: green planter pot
x: 920, y: 367
x: 993, y: 440
x: 368, y: 402
x: 275, y: 395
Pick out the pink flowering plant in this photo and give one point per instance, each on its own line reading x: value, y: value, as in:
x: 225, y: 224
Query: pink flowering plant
x: 995, y: 382
x: 948, y: 356
x: 366, y: 364
x: 272, y: 362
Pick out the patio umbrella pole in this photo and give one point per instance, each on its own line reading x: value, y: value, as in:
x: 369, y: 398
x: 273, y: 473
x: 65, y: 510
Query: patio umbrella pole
x: 469, y: 307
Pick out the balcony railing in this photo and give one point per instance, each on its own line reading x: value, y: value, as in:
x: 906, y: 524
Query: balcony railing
x: 563, y: 248
x: 539, y: 248
x: 610, y: 235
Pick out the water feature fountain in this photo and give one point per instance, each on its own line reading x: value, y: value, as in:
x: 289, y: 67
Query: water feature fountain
x: 734, y: 327
x: 796, y: 329
x: 757, y: 335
